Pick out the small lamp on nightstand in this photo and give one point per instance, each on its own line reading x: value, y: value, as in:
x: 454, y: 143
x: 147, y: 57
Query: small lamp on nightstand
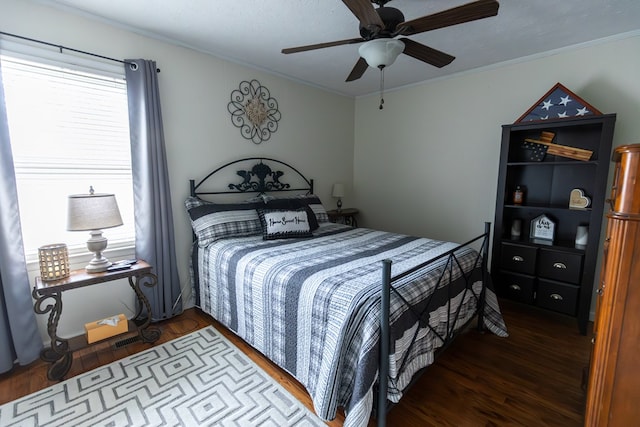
x: 338, y: 192
x: 93, y: 212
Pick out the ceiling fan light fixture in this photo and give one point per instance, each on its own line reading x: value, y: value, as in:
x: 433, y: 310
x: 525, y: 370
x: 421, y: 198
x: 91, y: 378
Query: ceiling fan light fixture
x: 380, y: 53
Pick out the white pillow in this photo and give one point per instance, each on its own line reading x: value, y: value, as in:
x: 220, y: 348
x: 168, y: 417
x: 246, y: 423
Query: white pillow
x: 284, y: 224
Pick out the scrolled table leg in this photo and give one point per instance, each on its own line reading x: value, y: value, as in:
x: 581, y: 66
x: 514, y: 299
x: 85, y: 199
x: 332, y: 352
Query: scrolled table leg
x: 150, y: 334
x: 60, y: 367
x: 146, y: 333
x: 59, y: 353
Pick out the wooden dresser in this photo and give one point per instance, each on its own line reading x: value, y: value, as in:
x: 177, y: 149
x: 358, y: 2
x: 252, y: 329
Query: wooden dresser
x: 613, y: 397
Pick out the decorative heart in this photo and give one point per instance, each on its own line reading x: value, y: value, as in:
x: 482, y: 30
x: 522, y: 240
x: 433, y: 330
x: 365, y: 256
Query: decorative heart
x: 578, y: 200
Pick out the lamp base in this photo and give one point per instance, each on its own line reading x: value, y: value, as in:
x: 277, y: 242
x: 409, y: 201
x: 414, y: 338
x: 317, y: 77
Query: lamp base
x: 96, y: 244
x: 98, y: 265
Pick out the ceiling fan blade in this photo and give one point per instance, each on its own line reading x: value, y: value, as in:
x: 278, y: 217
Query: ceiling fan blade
x: 457, y: 15
x: 322, y: 45
x: 426, y: 54
x: 358, y: 70
x: 365, y: 12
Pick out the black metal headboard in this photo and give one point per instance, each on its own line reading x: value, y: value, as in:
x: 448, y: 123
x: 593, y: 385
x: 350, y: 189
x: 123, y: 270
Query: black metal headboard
x: 261, y: 177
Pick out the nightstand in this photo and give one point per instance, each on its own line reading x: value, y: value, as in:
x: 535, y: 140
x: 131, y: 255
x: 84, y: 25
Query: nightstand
x: 60, y: 354
x: 344, y: 216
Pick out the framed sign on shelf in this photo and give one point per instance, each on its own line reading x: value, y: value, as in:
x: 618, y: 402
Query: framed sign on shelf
x: 542, y: 230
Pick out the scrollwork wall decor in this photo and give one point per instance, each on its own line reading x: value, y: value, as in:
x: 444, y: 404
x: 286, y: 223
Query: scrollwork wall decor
x: 254, y: 111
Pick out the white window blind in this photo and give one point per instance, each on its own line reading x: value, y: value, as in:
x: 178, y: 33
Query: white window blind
x: 69, y: 130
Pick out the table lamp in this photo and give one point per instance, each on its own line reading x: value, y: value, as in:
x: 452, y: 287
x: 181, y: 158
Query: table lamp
x: 338, y: 192
x: 93, y: 212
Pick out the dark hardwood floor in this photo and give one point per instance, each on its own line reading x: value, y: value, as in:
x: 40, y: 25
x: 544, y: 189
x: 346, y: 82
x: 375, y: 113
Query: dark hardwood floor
x: 532, y: 378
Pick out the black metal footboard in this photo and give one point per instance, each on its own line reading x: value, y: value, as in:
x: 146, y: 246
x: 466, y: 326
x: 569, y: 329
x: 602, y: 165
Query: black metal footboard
x: 451, y: 263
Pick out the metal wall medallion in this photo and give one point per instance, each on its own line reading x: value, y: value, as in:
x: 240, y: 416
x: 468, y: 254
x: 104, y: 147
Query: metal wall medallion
x: 254, y: 111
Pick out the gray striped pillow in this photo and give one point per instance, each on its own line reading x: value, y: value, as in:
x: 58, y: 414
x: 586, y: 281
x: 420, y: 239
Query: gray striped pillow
x: 214, y: 221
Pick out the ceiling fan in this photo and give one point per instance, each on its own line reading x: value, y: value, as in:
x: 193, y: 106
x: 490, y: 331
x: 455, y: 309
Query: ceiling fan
x: 381, y: 27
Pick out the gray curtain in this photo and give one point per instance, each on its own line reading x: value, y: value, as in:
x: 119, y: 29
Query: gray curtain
x: 155, y: 241
x: 19, y: 338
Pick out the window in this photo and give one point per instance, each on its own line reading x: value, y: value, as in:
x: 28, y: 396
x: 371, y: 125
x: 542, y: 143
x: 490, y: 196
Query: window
x: 69, y: 130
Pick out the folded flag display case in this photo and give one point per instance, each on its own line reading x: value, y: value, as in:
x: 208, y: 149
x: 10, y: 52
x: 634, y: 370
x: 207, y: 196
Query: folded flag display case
x: 558, y: 103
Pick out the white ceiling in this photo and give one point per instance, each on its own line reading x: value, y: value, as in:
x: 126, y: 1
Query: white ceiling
x: 253, y: 32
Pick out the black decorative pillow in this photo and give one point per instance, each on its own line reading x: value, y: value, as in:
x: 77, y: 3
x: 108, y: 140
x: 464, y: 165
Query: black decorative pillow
x: 284, y: 224
x: 214, y: 221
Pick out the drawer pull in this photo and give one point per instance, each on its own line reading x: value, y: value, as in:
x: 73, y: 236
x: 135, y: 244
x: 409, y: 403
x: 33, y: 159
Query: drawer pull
x: 517, y: 258
x: 600, y: 291
x: 515, y: 287
x: 556, y: 297
x: 560, y: 265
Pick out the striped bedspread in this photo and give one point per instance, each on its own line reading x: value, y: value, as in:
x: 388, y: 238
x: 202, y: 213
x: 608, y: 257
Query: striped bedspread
x: 312, y: 306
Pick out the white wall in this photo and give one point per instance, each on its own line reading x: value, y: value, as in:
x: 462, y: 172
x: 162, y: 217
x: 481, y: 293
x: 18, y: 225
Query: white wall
x: 315, y: 133
x: 428, y: 163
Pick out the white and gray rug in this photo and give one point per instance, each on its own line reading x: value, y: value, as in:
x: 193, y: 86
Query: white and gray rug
x: 200, y: 379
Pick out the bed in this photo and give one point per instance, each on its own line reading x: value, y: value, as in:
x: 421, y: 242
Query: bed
x: 319, y: 298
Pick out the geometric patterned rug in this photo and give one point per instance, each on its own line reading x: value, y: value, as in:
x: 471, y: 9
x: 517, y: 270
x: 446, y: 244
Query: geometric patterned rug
x: 200, y: 379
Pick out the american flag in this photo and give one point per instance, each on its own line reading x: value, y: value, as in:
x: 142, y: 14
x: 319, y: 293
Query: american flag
x: 558, y: 103
x: 535, y: 152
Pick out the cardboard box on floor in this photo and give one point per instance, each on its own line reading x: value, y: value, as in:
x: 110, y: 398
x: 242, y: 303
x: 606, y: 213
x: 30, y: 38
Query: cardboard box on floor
x: 106, y: 328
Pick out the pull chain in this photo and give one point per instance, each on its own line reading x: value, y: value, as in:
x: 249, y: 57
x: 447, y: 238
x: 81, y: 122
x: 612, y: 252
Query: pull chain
x: 381, y: 87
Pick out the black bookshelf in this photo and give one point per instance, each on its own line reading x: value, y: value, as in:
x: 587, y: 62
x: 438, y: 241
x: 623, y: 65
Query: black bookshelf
x: 552, y: 274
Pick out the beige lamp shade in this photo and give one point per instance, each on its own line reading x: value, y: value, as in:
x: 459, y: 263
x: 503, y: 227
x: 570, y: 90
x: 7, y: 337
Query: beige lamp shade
x: 92, y: 212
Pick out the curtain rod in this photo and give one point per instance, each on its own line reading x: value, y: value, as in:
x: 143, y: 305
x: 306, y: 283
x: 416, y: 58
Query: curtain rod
x: 61, y: 48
